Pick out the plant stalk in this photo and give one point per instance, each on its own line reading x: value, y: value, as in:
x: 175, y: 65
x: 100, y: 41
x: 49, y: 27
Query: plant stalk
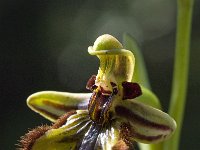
x: 181, y: 68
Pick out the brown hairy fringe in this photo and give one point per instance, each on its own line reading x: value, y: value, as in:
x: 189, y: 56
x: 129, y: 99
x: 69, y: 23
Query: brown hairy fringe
x: 26, y: 142
x: 29, y: 138
x: 62, y: 120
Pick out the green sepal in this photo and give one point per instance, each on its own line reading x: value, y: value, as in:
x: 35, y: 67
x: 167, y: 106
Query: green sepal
x: 52, y: 104
x: 148, y: 124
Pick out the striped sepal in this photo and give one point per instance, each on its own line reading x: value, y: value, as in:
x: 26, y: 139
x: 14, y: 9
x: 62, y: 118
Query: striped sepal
x: 145, y: 123
x: 67, y: 137
x: 52, y: 104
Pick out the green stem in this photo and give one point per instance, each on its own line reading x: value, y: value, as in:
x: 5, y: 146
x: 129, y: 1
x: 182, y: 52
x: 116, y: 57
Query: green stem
x: 180, y: 76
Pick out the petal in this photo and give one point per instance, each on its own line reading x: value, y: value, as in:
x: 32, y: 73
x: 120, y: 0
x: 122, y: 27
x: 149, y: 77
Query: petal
x: 52, y: 104
x: 131, y: 90
x: 145, y: 123
x: 67, y: 137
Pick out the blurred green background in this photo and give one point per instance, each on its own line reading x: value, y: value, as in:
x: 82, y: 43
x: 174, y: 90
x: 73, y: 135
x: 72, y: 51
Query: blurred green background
x: 43, y: 46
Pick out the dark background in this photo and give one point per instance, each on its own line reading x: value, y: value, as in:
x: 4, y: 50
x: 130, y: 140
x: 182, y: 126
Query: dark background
x: 43, y: 46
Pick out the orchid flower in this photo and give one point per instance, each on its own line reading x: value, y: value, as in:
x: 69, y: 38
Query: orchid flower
x: 111, y: 116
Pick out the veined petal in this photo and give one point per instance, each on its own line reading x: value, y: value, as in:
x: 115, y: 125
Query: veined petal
x: 67, y: 137
x: 145, y: 123
x: 52, y: 104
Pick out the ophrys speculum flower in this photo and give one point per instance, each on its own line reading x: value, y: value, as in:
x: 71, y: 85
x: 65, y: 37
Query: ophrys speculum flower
x: 108, y: 118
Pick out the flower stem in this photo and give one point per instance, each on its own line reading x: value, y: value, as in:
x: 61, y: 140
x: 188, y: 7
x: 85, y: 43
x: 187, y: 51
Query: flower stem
x: 181, y: 66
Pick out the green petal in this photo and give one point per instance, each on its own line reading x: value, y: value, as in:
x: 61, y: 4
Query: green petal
x: 108, y: 137
x: 52, y: 104
x: 147, y: 124
x: 67, y: 137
